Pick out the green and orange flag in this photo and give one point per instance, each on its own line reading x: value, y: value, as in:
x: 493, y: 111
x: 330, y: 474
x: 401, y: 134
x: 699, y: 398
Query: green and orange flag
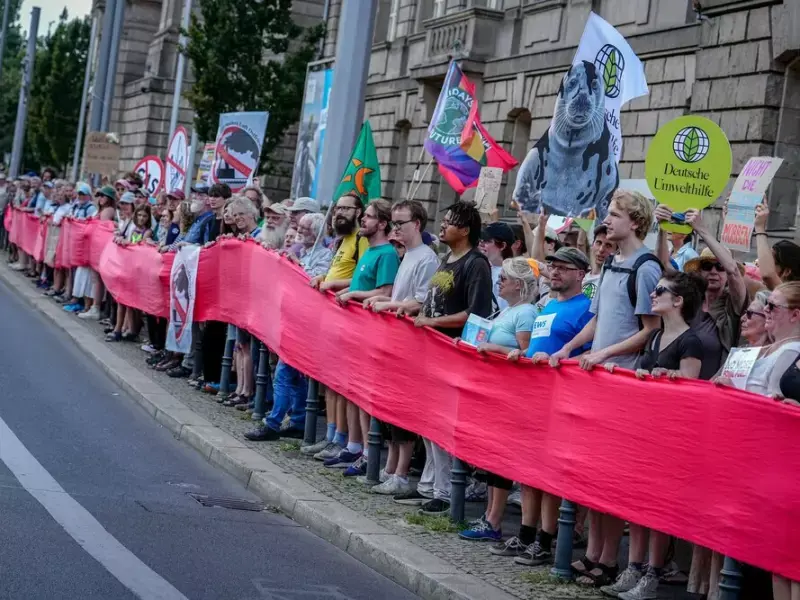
x: 363, y: 172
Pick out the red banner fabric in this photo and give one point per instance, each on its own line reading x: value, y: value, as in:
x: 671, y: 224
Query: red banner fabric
x: 711, y: 465
x: 29, y: 232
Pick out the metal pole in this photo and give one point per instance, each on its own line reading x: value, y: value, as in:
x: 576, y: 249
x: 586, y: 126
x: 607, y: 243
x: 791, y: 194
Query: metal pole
x: 3, y: 32
x: 562, y: 569
x: 227, y: 362
x: 87, y: 76
x: 375, y: 444
x: 190, y: 165
x: 262, y: 378
x: 312, y: 405
x: 101, y: 72
x: 730, y: 582
x: 346, y: 107
x: 24, y: 88
x: 113, y: 57
x: 176, y: 97
x: 458, y: 488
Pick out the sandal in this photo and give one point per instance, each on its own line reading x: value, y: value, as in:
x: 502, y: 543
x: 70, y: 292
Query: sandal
x: 224, y: 400
x: 130, y: 337
x: 114, y: 336
x: 583, y: 566
x: 600, y: 576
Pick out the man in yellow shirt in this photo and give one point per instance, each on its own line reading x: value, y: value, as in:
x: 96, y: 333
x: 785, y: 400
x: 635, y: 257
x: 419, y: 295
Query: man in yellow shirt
x: 349, y: 248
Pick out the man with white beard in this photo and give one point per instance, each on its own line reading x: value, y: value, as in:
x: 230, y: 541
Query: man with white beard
x: 276, y: 222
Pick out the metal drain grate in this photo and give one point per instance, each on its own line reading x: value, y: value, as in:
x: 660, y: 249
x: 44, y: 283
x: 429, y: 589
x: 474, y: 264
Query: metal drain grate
x: 229, y: 503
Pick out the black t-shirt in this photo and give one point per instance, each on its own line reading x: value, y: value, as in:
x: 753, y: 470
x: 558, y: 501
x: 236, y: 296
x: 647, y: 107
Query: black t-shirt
x: 461, y: 286
x: 790, y: 383
x: 686, y: 345
x: 714, y: 354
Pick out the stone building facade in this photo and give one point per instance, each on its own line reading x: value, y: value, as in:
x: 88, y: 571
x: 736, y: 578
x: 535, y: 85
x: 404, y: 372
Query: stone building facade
x: 736, y: 62
x: 145, y: 82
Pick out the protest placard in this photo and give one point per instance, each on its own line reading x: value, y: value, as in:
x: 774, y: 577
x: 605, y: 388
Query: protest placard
x: 476, y: 330
x: 748, y: 191
x: 101, y: 153
x: 757, y: 174
x: 739, y: 364
x: 688, y: 165
x: 488, y: 190
x: 204, y: 167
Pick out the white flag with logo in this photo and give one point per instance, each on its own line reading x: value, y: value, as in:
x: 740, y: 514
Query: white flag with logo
x: 182, y: 291
x: 620, y: 70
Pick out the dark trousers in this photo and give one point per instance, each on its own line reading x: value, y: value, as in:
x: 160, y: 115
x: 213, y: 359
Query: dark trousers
x: 157, y: 331
x: 214, y: 336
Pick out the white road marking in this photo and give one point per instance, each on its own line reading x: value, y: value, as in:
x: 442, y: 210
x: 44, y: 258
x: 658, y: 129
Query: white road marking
x: 131, y: 572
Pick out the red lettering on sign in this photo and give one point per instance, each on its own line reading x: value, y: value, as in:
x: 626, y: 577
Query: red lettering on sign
x: 736, y: 234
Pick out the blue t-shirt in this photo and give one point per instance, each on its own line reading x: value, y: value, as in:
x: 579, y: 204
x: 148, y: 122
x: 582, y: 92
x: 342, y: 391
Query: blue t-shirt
x: 510, y: 322
x: 559, y: 323
x: 376, y: 267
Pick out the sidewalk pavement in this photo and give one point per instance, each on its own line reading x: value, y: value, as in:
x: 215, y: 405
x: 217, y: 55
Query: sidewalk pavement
x: 385, y: 536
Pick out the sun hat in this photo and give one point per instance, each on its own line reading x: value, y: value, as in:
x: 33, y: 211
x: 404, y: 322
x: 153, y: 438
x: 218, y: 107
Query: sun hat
x: 128, y: 198
x: 83, y: 188
x: 108, y: 192
x: 706, y: 256
x: 305, y: 203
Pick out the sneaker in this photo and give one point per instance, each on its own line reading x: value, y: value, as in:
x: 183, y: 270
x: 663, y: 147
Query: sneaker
x: 16, y: 267
x: 481, y: 519
x: 73, y: 307
x: 263, y: 434
x: 149, y: 349
x: 382, y: 476
x: 292, y: 433
x: 330, y: 451
x: 515, y: 498
x: 343, y: 460
x: 511, y: 547
x: 534, y: 556
x: 393, y: 486
x: 477, y: 491
x: 481, y: 532
x: 626, y: 581
x: 314, y: 448
x: 646, y: 589
x: 436, y: 507
x: 411, y: 498
x: 357, y: 469
x: 92, y: 313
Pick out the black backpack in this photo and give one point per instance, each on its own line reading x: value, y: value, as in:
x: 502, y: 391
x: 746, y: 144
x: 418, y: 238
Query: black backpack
x: 644, y: 258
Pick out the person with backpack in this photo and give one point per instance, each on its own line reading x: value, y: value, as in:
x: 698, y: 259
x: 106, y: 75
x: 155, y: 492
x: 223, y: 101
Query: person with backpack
x: 623, y: 322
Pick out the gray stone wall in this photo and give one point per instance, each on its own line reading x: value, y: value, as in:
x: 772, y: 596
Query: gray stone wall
x: 730, y: 66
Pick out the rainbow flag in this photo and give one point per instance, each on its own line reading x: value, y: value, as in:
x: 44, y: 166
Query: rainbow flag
x: 457, y: 139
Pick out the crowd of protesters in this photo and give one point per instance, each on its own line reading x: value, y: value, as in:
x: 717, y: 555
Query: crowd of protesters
x: 601, y: 296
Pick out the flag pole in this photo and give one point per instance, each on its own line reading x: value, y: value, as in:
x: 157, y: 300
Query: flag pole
x: 425, y: 172
x: 416, y: 170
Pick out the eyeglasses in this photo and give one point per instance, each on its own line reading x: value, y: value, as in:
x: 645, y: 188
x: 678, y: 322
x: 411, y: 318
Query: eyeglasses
x: 707, y: 266
x: 343, y: 208
x: 770, y: 306
x: 752, y: 313
x: 553, y: 267
x: 661, y: 290
x: 399, y: 224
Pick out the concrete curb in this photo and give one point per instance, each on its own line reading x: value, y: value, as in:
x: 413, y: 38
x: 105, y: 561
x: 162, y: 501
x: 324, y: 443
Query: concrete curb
x: 391, y: 555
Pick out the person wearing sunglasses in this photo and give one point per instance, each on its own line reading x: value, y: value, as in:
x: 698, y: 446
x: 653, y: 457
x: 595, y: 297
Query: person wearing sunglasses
x: 754, y: 321
x: 673, y: 351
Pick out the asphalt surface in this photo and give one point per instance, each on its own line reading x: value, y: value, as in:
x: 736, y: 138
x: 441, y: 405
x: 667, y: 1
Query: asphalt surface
x: 133, y: 478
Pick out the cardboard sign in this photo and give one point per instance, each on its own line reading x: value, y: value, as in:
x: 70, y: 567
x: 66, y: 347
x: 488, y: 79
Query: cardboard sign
x: 688, y: 165
x: 757, y: 174
x: 476, y: 330
x: 737, y: 231
x: 204, y: 168
x: 151, y: 170
x: 237, y: 151
x: 101, y: 153
x: 739, y: 364
x: 177, y: 160
x: 488, y: 190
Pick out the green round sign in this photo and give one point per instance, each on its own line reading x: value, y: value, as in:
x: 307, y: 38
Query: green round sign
x: 688, y: 165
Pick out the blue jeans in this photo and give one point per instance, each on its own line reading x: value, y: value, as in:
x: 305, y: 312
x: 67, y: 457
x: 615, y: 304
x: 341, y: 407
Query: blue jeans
x: 291, y: 389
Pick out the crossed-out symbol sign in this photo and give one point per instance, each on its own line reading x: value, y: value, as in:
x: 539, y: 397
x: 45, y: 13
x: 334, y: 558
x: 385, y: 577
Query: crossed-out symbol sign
x: 237, y: 155
x: 177, y: 159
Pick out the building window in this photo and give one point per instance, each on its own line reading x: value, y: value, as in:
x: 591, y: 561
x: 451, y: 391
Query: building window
x: 438, y: 8
x: 391, y: 34
x: 518, y: 129
x: 494, y: 4
x: 401, y: 160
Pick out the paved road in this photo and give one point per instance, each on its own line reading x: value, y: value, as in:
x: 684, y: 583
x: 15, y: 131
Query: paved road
x: 94, y: 497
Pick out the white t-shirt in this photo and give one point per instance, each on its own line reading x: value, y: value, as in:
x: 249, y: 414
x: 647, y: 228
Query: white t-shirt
x: 415, y: 271
x: 61, y: 212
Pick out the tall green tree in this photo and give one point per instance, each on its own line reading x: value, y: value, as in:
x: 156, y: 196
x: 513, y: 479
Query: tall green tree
x: 12, y: 74
x: 248, y: 55
x: 56, y: 90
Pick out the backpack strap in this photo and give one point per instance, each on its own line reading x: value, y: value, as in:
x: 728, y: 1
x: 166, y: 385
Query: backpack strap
x: 632, y: 271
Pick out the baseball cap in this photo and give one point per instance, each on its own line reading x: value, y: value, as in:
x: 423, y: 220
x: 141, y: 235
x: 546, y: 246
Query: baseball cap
x: 572, y: 256
x: 128, y: 198
x: 498, y: 231
x: 200, y: 188
x: 304, y: 203
x: 123, y: 183
x: 427, y: 238
x: 177, y: 194
x: 83, y: 188
x: 277, y: 208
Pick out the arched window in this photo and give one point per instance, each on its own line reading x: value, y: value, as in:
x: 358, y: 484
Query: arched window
x: 400, y: 151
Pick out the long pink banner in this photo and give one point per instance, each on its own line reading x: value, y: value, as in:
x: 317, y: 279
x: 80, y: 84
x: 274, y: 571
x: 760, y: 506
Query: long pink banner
x: 710, y: 465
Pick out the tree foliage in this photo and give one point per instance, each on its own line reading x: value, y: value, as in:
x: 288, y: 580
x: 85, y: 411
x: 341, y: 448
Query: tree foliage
x: 248, y: 55
x: 9, y: 83
x: 55, y: 101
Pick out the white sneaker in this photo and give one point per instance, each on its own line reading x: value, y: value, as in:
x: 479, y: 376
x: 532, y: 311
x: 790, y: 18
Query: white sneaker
x: 16, y: 266
x: 331, y: 450
x: 145, y: 347
x: 515, y: 498
x: 391, y: 487
x: 382, y: 477
x: 477, y: 491
x: 92, y: 313
x: 626, y: 581
x: 646, y: 589
x: 314, y: 448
